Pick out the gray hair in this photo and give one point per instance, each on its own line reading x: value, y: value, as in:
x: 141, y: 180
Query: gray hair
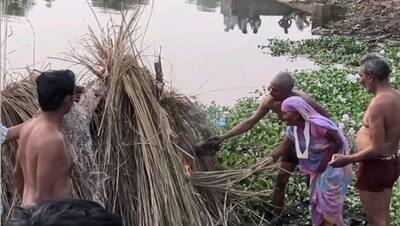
x: 376, y: 66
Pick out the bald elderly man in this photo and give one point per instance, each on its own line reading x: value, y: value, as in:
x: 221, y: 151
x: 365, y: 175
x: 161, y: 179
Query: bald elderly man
x: 280, y: 88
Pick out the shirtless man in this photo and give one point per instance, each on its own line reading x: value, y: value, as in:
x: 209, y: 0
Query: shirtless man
x: 43, y: 162
x: 281, y: 87
x: 377, y: 142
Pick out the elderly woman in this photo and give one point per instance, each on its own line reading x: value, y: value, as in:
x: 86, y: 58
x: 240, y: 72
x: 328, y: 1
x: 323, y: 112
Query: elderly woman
x: 315, y: 139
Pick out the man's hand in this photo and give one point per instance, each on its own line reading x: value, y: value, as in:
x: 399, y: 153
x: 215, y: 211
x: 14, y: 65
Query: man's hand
x: 215, y: 140
x: 285, y: 148
x: 276, y: 154
x: 339, y: 160
x: 208, y: 147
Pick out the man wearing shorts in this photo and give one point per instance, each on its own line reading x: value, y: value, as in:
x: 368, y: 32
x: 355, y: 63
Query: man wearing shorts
x: 377, y: 142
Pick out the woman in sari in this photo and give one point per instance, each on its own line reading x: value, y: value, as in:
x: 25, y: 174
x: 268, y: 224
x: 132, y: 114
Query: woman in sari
x: 316, y: 138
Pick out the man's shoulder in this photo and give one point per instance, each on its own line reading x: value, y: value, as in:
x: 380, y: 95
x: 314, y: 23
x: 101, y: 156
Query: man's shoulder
x: 268, y: 102
x: 381, y: 106
x: 383, y: 101
x: 303, y: 95
x: 46, y: 137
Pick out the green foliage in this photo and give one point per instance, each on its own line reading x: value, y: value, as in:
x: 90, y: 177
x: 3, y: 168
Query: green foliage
x: 335, y: 88
x: 395, y: 207
x: 324, y: 50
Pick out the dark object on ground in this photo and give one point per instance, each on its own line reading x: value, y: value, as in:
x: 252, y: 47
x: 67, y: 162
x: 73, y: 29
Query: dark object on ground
x: 206, y: 148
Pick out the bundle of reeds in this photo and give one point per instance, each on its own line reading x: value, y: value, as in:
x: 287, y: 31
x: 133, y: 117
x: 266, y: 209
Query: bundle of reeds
x: 19, y: 103
x: 137, y: 147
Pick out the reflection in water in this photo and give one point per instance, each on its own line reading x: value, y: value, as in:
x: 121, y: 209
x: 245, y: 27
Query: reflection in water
x: 247, y: 12
x: 300, y: 19
x: 49, y: 3
x: 117, y: 4
x: 21, y: 7
x: 206, y: 5
x: 17, y: 7
x: 241, y: 13
x: 214, y: 68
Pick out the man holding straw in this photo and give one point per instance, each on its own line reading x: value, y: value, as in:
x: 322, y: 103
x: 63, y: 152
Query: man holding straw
x: 280, y: 88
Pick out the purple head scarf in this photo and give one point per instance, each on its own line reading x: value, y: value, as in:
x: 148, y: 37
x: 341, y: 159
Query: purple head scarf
x: 309, y: 114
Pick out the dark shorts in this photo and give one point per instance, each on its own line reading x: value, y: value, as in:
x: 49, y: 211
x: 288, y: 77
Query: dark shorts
x: 377, y: 174
x: 20, y: 214
x: 290, y: 157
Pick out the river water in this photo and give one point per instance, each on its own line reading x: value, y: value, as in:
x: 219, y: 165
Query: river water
x: 211, y: 47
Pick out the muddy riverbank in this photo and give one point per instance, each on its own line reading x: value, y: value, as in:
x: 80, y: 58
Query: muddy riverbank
x: 370, y: 19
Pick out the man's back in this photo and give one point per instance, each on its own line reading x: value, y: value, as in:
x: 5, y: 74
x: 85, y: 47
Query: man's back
x: 43, y: 163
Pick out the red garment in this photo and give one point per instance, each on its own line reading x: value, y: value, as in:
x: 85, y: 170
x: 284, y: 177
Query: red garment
x: 377, y: 174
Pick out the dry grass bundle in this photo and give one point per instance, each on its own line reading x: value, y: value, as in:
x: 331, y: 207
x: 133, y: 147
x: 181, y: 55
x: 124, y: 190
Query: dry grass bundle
x: 19, y: 103
x: 224, y: 179
x: 136, y: 143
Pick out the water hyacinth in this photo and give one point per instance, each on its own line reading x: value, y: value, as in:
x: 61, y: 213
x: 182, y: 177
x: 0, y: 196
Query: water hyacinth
x: 352, y: 78
x: 342, y: 99
x: 345, y: 118
x: 351, y: 131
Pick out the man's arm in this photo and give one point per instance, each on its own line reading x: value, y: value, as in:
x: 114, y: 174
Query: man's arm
x: 315, y: 105
x: 51, y: 166
x: 282, y: 149
x: 13, y: 132
x: 249, y: 123
x: 377, y: 134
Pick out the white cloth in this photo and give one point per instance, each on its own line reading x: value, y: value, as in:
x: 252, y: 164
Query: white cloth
x: 299, y: 153
x: 3, y: 133
x: 3, y: 136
